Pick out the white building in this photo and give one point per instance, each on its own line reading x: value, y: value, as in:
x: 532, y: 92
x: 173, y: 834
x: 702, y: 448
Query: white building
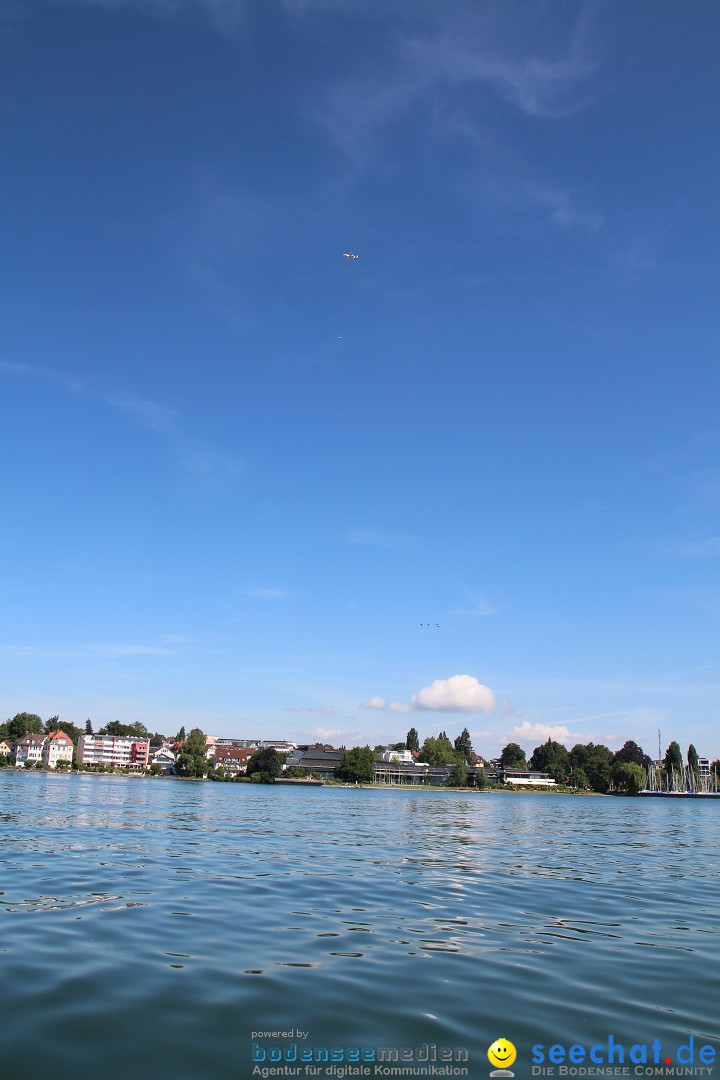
x: 117, y: 751
x: 283, y: 746
x: 401, y: 757
x: 28, y: 750
x: 165, y: 758
x: 58, y: 747
x: 527, y: 778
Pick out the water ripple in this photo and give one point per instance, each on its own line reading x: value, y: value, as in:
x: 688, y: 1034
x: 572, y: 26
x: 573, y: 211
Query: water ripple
x: 386, y: 918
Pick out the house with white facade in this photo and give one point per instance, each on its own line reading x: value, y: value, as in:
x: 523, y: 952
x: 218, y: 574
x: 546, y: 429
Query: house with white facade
x: 57, y: 747
x: 28, y: 750
x: 165, y: 758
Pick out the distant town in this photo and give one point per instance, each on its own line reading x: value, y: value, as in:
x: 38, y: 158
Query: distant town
x: 28, y: 742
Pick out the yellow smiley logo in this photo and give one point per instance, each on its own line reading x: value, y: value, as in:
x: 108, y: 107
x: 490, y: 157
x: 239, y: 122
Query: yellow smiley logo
x: 502, y: 1053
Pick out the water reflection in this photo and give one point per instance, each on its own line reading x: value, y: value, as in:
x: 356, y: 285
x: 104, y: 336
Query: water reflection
x: 375, y: 911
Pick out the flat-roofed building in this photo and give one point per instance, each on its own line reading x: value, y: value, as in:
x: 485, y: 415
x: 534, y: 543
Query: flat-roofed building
x: 117, y: 751
x: 527, y: 778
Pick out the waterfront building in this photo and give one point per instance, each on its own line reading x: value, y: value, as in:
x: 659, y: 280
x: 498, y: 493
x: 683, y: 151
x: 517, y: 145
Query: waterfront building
x: 165, y: 758
x: 404, y: 757
x: 527, y: 778
x: 390, y: 770
x: 57, y: 747
x: 28, y: 750
x: 318, y: 759
x: 119, y: 752
x: 283, y: 746
x: 233, y: 758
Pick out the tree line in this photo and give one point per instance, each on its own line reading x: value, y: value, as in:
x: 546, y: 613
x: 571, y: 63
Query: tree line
x: 586, y: 767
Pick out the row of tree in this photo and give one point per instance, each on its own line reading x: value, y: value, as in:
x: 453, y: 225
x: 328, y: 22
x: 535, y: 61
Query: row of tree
x: 594, y: 766
x: 587, y: 766
x: 26, y: 723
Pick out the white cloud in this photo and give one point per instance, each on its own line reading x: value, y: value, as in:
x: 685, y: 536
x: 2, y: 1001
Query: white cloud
x: 537, y: 733
x: 325, y: 710
x: 384, y: 704
x: 460, y: 693
x: 329, y: 733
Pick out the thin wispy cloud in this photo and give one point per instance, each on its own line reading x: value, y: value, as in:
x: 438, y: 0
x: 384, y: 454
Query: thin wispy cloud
x: 376, y: 538
x: 473, y: 50
x: 227, y: 16
x: 199, y: 457
x: 267, y: 593
x: 476, y: 607
x: 322, y: 710
x: 701, y: 549
x: 80, y: 649
x: 330, y: 733
x: 477, y: 48
x: 383, y: 704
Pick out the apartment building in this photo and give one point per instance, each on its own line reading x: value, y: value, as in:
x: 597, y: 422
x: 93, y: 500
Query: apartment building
x: 119, y: 752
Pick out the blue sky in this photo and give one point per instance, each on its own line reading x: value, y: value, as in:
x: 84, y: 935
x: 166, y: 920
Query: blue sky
x: 470, y: 478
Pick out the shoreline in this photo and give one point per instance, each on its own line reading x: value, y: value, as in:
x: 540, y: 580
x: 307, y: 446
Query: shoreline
x: 509, y: 790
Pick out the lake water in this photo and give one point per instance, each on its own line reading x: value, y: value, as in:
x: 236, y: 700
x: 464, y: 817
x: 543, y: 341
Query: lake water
x: 149, y: 927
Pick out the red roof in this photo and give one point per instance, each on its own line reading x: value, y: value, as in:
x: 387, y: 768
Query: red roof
x: 241, y: 754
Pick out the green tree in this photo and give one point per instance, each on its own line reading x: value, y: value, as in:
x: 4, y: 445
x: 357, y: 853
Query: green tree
x: 553, y: 758
x: 692, y: 760
x: 629, y: 777
x: 579, y: 779
x: 673, y: 759
x: 513, y: 757
x: 596, y: 761
x: 181, y: 736
x: 89, y: 727
x: 135, y: 730
x: 458, y: 774
x: 481, y: 778
x: 438, y: 751
x: 357, y: 765
x: 53, y: 724
x: 24, y: 723
x: 463, y: 746
x: 192, y: 759
x: 295, y: 772
x: 264, y: 765
x: 412, y: 742
x: 630, y: 751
